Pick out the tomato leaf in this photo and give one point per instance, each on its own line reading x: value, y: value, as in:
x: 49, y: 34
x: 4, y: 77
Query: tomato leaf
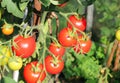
x: 45, y: 2
x: 6, y: 79
x: 23, y: 5
x: 12, y: 8
x: 87, y: 2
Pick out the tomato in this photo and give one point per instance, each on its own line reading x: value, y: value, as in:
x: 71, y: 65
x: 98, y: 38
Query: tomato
x: 117, y: 35
x: 53, y: 66
x: 34, y: 72
x: 4, y: 55
x: 83, y: 46
x: 7, y: 29
x: 57, y: 50
x: 79, y: 23
x: 15, y: 63
x: 66, y: 37
x: 24, y: 47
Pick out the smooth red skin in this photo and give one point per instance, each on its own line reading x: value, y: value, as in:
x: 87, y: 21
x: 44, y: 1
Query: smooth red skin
x: 65, y: 38
x: 84, y: 46
x: 51, y: 67
x: 56, y: 50
x: 25, y: 46
x: 31, y: 76
x: 80, y: 24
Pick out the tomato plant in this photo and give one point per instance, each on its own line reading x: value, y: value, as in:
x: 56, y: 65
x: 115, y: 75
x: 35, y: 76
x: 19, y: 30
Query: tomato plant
x: 36, y: 23
x: 34, y: 72
x: 56, y: 49
x: 7, y: 29
x: 24, y: 47
x: 53, y: 64
x: 66, y: 37
x: 79, y: 23
x: 5, y: 54
x: 15, y: 63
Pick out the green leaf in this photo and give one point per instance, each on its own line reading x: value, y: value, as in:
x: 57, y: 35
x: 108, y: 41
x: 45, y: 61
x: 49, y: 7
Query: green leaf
x: 87, y: 2
x: 6, y: 79
x: 12, y: 8
x: 23, y: 6
x: 45, y: 2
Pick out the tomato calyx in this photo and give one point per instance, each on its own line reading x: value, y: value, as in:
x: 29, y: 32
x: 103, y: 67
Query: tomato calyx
x: 14, y: 58
x: 55, y: 61
x: 35, y: 68
x: 7, y: 25
x: 56, y: 49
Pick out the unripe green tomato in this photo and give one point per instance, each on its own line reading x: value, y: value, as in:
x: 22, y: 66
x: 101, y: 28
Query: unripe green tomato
x: 117, y: 35
x: 4, y: 55
x: 15, y: 63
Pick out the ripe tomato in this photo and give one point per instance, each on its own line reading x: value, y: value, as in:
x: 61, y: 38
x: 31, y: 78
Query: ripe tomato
x: 15, y: 63
x: 57, y: 50
x: 33, y: 72
x: 53, y: 66
x: 83, y: 46
x: 117, y: 35
x: 80, y: 24
x: 4, y: 55
x: 7, y: 29
x: 24, y: 47
x: 66, y: 37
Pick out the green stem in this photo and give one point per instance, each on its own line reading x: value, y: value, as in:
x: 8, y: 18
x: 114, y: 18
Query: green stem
x: 44, y: 16
x: 54, y: 39
x: 79, y: 2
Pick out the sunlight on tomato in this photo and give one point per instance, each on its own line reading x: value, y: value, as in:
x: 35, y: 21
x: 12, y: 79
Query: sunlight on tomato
x: 7, y: 29
x: 53, y: 66
x: 15, y: 63
x: 24, y: 47
x: 117, y: 35
x: 4, y: 55
x: 33, y: 72
x: 66, y: 37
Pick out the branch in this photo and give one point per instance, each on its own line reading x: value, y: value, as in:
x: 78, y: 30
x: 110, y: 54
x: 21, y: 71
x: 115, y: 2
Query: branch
x: 112, y: 53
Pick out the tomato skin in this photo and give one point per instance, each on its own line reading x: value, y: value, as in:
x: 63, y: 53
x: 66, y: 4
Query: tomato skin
x: 56, y: 50
x: 32, y: 77
x: 7, y: 29
x: 65, y: 38
x: 83, y: 46
x: 80, y: 24
x: 5, y: 54
x: 117, y: 35
x: 15, y: 64
x: 53, y: 68
x: 24, y: 47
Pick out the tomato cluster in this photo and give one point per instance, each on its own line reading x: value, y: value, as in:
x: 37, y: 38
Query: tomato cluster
x: 74, y: 36
x: 23, y: 47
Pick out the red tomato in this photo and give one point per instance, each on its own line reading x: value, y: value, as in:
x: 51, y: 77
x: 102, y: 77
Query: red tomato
x: 83, y: 46
x: 66, y: 37
x: 24, y: 47
x: 53, y: 66
x: 57, y: 50
x: 32, y: 75
x: 80, y: 24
